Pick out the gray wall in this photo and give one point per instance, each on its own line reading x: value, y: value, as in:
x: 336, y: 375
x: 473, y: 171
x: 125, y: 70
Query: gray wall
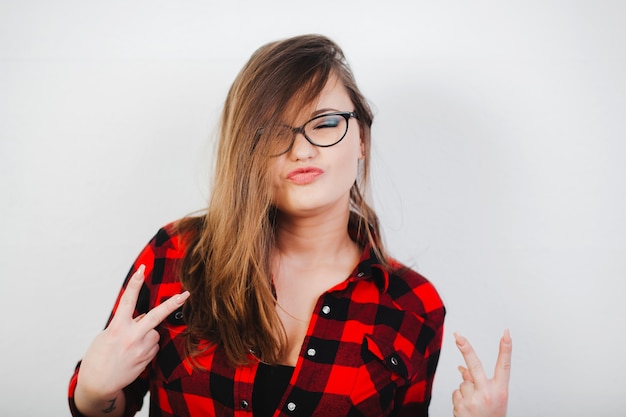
x: 498, y: 173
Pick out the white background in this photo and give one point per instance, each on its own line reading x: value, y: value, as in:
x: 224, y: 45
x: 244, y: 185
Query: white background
x: 498, y: 164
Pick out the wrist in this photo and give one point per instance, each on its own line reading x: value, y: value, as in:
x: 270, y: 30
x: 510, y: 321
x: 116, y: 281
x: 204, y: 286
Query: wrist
x: 93, y: 402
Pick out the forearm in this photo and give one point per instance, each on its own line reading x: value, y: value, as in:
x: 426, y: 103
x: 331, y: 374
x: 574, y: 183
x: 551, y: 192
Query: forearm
x: 92, y: 404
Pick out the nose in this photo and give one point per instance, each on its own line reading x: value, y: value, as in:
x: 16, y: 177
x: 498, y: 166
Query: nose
x: 302, y: 148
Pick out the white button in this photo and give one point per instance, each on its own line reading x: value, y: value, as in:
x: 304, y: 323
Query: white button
x: 311, y: 352
x: 394, y: 361
x: 291, y: 406
x: 326, y: 309
x: 360, y: 274
x: 244, y: 404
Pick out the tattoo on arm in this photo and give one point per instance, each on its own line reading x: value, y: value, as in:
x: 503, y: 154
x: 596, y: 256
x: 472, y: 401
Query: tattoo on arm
x: 111, y: 406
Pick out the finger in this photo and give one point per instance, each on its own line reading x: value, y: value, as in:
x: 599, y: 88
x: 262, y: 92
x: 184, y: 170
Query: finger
x: 152, y: 338
x: 153, y: 352
x: 474, y: 365
x: 150, y: 345
x: 150, y: 354
x: 467, y: 389
x: 503, y: 363
x: 128, y: 301
x: 139, y: 317
x: 155, y: 316
x: 457, y: 397
x: 465, y: 374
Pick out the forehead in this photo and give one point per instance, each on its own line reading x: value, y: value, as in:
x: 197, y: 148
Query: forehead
x: 333, y: 97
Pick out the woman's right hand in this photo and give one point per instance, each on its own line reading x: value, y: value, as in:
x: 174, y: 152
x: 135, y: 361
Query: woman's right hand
x: 119, y: 354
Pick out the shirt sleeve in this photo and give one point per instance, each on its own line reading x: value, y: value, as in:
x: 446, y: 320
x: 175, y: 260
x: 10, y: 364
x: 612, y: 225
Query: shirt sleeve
x: 136, y: 391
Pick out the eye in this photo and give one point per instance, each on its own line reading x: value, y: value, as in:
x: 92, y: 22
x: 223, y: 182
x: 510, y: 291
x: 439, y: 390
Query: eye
x: 326, y: 122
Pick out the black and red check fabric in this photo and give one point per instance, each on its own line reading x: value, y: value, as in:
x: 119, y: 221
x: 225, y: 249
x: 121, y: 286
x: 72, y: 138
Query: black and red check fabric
x: 371, y: 348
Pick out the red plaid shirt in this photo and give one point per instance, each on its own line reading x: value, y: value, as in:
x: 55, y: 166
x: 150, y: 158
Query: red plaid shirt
x: 371, y: 349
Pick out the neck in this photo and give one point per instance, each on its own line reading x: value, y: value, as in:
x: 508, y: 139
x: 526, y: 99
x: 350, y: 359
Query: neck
x: 317, y: 237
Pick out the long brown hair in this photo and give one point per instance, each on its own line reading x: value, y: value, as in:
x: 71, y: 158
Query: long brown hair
x: 226, y: 267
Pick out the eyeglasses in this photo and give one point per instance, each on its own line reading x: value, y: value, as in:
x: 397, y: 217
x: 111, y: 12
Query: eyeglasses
x: 324, y: 130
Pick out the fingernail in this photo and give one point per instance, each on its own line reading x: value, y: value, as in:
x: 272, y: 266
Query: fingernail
x: 180, y: 298
x: 507, y: 335
x: 140, y: 273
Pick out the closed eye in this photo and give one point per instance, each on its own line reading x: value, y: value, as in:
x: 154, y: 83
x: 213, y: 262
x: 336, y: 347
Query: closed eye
x: 327, y: 122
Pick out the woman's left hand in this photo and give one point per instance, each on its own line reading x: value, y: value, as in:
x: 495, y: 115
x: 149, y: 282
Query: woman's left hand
x: 479, y: 396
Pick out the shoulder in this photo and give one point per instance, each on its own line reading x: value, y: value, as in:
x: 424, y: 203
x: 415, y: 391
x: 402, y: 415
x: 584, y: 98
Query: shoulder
x: 161, y: 258
x: 173, y: 239
x: 165, y: 249
x: 411, y: 291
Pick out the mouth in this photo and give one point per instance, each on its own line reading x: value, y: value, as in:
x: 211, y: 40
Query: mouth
x: 302, y: 176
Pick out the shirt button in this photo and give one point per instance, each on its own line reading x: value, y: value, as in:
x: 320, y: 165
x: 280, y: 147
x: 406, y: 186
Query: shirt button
x: 360, y: 274
x: 178, y: 315
x: 311, y: 352
x: 291, y: 406
x: 326, y: 310
x: 394, y: 361
x: 244, y: 404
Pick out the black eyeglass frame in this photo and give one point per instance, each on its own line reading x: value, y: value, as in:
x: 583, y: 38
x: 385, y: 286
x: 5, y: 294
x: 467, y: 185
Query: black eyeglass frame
x: 295, y: 130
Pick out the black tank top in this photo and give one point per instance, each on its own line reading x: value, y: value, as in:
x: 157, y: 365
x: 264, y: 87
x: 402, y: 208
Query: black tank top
x: 270, y: 384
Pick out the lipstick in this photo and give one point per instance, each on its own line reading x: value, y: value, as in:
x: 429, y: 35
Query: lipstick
x: 303, y: 176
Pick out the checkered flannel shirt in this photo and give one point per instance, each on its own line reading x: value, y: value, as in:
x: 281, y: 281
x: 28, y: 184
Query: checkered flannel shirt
x: 371, y: 349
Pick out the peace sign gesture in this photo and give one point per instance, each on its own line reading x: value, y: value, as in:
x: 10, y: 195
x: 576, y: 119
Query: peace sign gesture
x: 119, y: 354
x: 477, y: 395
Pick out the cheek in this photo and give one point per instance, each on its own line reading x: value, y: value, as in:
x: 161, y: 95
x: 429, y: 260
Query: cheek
x: 349, y: 166
x: 275, y: 175
x: 356, y: 151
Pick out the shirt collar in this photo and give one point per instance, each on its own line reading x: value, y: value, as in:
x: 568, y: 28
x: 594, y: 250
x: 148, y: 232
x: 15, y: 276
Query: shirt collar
x: 369, y: 267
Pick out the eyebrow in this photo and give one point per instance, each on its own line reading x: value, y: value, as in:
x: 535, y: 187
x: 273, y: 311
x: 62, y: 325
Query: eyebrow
x: 321, y: 111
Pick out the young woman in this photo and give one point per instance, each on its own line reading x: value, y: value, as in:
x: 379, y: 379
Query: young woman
x: 281, y: 300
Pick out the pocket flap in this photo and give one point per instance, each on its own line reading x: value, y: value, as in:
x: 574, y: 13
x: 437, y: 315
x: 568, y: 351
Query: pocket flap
x: 396, y: 361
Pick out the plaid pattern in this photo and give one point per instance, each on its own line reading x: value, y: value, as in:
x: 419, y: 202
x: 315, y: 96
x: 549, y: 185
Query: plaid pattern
x: 371, y: 349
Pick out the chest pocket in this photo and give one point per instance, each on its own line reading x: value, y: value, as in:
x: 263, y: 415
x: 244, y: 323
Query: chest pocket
x: 173, y: 373
x: 169, y: 361
x: 390, y: 361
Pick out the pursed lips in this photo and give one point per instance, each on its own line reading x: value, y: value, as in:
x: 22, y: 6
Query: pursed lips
x: 306, y: 175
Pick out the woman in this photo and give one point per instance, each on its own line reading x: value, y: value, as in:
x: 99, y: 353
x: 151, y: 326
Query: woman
x: 281, y: 299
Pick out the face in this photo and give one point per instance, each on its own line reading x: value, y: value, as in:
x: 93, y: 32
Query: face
x: 310, y: 180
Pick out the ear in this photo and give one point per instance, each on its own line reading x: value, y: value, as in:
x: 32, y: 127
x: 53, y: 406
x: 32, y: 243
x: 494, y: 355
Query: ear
x: 361, y: 144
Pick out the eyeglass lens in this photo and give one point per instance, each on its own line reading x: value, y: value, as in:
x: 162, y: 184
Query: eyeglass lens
x: 325, y: 130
